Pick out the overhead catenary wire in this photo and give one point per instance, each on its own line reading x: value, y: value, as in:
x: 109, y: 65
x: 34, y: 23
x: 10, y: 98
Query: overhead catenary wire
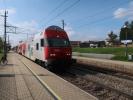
x: 102, y: 11
x: 63, y: 11
x: 92, y: 22
x: 99, y: 20
x: 99, y: 13
x: 20, y: 29
x: 54, y: 10
x: 61, y: 4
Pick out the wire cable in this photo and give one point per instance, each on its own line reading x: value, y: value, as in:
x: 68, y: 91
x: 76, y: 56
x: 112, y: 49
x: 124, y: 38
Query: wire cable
x: 103, y: 11
x: 57, y: 7
x: 61, y: 4
x: 63, y: 11
x: 99, y: 20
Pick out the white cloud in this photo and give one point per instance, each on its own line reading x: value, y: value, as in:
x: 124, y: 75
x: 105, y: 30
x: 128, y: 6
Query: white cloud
x: 10, y: 11
x: 27, y: 27
x: 24, y: 28
x: 69, y: 30
x: 120, y: 13
x: 124, y: 12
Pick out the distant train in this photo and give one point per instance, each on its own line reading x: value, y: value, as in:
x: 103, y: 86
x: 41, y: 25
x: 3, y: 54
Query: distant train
x: 51, y: 47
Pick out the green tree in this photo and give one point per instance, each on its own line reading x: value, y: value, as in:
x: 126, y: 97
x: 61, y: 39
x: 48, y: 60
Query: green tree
x: 127, y: 31
x: 112, y: 38
x: 131, y: 25
x: 1, y: 44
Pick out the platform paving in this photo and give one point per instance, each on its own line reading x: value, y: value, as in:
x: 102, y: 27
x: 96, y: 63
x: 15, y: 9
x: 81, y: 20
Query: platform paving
x: 8, y: 90
x: 93, y: 55
x: 122, y: 66
x: 18, y: 83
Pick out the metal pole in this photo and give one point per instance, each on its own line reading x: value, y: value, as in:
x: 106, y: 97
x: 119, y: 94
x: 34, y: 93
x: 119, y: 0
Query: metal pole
x: 5, y: 48
x: 63, y: 24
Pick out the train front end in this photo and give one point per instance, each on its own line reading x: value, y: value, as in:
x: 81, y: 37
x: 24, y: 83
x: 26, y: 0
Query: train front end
x: 57, y: 47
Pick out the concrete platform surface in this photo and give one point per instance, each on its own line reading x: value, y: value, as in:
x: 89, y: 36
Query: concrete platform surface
x: 93, y: 55
x: 126, y: 67
x: 17, y: 82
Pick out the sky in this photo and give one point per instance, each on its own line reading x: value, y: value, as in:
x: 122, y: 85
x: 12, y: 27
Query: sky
x: 84, y: 19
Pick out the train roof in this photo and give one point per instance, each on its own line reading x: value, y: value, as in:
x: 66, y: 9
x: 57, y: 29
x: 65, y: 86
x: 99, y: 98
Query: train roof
x: 50, y: 28
x: 53, y: 27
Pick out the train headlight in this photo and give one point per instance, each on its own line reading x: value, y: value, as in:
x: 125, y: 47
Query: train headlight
x: 68, y: 54
x: 52, y: 54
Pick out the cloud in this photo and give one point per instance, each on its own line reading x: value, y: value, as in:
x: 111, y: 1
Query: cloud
x: 27, y: 27
x: 10, y: 11
x: 120, y: 13
x: 24, y: 29
x: 69, y: 30
x: 124, y: 12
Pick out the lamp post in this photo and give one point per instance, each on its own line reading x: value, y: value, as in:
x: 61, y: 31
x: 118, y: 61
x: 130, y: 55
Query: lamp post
x: 126, y: 43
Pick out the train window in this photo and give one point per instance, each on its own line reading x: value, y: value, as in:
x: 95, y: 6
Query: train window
x: 58, y: 42
x: 42, y: 42
x: 37, y: 46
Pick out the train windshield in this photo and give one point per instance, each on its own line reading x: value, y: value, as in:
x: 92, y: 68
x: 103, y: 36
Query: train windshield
x: 58, y: 42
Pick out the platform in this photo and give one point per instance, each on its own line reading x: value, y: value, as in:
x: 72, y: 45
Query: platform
x: 22, y: 79
x: 121, y: 66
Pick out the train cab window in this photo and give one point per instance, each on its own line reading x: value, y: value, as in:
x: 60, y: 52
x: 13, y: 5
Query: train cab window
x: 58, y: 42
x: 42, y: 42
x: 37, y: 46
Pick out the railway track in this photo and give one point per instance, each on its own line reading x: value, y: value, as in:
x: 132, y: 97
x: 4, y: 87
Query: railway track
x: 104, y: 84
x: 27, y: 70
x: 106, y: 71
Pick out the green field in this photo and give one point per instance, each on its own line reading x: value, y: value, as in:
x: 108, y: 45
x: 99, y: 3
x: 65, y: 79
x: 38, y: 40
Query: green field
x: 119, y: 52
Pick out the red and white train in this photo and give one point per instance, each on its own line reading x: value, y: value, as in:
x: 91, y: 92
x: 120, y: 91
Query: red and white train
x: 51, y: 47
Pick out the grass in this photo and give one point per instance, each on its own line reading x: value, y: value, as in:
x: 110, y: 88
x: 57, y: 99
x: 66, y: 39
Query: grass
x: 121, y: 58
x: 119, y: 52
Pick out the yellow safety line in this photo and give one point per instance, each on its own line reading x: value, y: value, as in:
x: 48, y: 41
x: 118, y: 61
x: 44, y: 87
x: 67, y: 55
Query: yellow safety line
x: 45, y: 84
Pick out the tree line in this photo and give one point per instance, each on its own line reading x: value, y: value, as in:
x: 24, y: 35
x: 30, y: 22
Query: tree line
x: 127, y: 30
x: 1, y: 44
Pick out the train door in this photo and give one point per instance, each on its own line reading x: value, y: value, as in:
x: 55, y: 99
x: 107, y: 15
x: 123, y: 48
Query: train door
x: 38, y: 52
x: 42, y: 49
